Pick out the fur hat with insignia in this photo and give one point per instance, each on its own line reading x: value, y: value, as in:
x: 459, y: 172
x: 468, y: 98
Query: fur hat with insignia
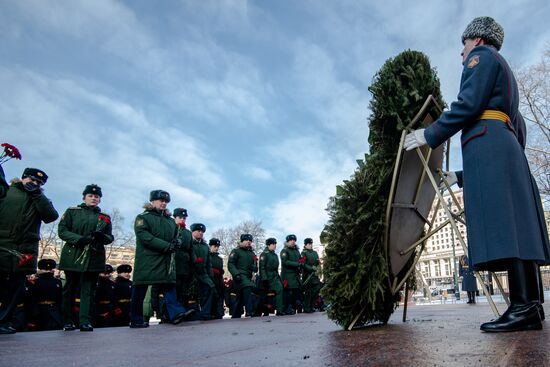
x: 291, y: 237
x: 35, y: 174
x: 92, y: 189
x: 270, y: 241
x: 308, y: 240
x: 214, y: 242
x: 47, y: 264
x: 485, y: 28
x: 108, y: 269
x: 180, y: 212
x: 197, y: 227
x: 124, y: 268
x: 159, y: 195
x: 246, y: 237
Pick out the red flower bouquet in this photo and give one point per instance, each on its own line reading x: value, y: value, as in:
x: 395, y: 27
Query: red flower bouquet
x: 9, y: 152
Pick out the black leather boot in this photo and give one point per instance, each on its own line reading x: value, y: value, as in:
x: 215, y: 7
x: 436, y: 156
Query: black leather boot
x: 541, y: 296
x: 523, y: 313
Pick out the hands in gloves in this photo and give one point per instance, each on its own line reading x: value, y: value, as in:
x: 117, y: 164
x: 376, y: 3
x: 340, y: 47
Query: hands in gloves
x: 102, y: 238
x: 415, y: 139
x: 84, y: 240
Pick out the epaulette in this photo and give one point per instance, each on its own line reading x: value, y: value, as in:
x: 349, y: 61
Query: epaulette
x: 105, y: 214
x: 75, y: 208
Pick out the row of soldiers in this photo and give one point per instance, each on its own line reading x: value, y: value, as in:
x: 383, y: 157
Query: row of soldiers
x: 170, y: 260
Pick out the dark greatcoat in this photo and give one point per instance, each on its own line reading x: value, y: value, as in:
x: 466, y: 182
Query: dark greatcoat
x: 104, y: 300
x: 503, y: 208
x: 44, y: 302
x: 310, y: 274
x: 469, y: 283
x: 21, y: 216
x: 121, y: 301
x: 202, y: 266
x: 77, y: 222
x: 154, y: 264
x: 242, y: 261
x: 290, y: 267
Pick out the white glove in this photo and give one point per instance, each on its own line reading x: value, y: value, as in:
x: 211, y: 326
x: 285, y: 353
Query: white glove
x: 450, y: 177
x: 415, y: 139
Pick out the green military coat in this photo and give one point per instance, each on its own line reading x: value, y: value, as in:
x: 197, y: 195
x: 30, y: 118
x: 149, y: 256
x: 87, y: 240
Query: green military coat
x: 217, y: 270
x: 310, y: 267
x: 242, y: 261
x: 290, y: 267
x: 202, y: 266
x: 154, y: 263
x: 269, y: 266
x: 184, y: 256
x: 76, y: 223
x: 21, y: 216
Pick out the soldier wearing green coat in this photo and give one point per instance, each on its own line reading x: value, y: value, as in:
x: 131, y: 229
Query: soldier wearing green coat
x: 269, y: 273
x: 22, y: 212
x: 156, y: 243
x: 217, y: 271
x: 203, y: 270
x: 86, y: 231
x: 242, y: 264
x: 184, y: 257
x: 311, y: 284
x: 291, y: 266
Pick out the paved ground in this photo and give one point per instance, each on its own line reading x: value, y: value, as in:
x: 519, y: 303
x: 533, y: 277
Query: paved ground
x: 435, y: 335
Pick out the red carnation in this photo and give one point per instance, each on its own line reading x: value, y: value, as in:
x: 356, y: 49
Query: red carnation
x: 199, y: 259
x: 117, y: 311
x: 105, y: 219
x: 216, y: 271
x: 285, y: 283
x: 9, y: 152
x: 24, y: 259
x: 302, y: 260
x: 181, y: 225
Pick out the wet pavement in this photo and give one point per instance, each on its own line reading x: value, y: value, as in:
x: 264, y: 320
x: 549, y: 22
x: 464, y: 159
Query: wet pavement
x: 435, y: 335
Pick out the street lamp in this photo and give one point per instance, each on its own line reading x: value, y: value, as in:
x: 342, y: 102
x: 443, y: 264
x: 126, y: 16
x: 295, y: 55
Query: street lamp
x: 455, y: 277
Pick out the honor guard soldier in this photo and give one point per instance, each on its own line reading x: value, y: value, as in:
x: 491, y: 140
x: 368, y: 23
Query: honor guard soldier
x: 22, y: 212
x: 104, y: 296
x: 203, y: 270
x: 44, y: 297
x: 311, y: 284
x: 86, y: 231
x: 291, y: 266
x: 506, y: 225
x: 184, y: 258
x: 122, y: 296
x: 269, y: 273
x: 242, y: 264
x: 469, y: 282
x: 156, y: 242
x: 217, y: 271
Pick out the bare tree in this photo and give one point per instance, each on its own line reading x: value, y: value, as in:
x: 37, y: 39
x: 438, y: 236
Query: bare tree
x: 230, y: 237
x: 123, y: 238
x: 49, y: 245
x: 534, y: 87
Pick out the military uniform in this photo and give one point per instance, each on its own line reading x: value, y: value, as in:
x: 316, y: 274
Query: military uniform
x: 203, y: 275
x: 155, y: 261
x: 44, y: 299
x: 242, y: 264
x: 311, y: 283
x: 269, y: 273
x: 219, y: 296
x: 82, y: 258
x: 21, y: 212
x: 290, y: 275
x: 104, y: 299
x: 184, y: 265
x: 122, y: 297
x: 469, y: 282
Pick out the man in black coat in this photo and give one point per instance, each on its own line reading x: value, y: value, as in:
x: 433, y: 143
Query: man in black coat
x: 44, y: 298
x: 122, y: 296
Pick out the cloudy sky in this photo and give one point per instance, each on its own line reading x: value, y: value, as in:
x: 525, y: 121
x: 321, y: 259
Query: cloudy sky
x: 240, y: 109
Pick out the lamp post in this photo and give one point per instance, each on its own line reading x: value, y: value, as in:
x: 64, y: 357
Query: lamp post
x: 455, y: 277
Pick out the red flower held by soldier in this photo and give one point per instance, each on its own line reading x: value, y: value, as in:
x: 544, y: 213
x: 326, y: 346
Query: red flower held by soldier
x: 199, y: 260
x: 9, y: 152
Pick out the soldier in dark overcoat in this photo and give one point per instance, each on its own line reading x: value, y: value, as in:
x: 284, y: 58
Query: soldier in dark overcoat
x: 311, y: 284
x: 104, y: 298
x: 217, y: 277
x: 242, y: 264
x: 22, y: 212
x: 469, y: 282
x: 291, y: 268
x: 505, y: 219
x: 86, y: 230
x: 44, y: 298
x: 122, y: 296
x: 156, y: 243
